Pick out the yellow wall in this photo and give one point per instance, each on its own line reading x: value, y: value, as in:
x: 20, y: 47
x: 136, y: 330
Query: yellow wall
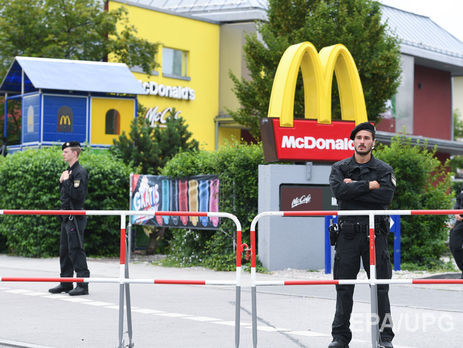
x: 201, y: 40
x: 99, y: 108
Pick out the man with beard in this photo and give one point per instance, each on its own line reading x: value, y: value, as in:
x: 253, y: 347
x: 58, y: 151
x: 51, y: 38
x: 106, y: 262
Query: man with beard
x: 361, y: 182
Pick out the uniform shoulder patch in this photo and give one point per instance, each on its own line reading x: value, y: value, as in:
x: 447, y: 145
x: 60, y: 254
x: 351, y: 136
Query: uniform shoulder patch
x: 393, y: 180
x: 76, y: 183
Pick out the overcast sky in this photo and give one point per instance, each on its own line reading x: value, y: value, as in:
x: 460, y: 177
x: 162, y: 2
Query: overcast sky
x: 446, y: 13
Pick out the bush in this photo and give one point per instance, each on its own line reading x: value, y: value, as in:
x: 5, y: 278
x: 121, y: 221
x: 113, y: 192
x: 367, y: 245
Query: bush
x: 422, y: 183
x: 237, y: 168
x: 30, y: 181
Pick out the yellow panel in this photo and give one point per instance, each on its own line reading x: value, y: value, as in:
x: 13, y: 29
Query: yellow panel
x: 100, y: 106
x: 201, y: 40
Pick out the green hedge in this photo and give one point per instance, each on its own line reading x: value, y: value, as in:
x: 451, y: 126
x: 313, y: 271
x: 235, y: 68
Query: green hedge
x: 237, y: 168
x: 30, y: 181
x: 423, y: 182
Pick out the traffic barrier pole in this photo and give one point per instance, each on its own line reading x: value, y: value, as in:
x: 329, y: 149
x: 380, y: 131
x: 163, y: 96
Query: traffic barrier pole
x: 373, y: 286
x: 121, y: 285
x: 124, y: 279
x: 373, y: 282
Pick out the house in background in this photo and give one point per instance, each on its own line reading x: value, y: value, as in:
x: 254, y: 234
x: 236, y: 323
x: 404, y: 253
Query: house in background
x: 431, y: 87
x: 70, y: 100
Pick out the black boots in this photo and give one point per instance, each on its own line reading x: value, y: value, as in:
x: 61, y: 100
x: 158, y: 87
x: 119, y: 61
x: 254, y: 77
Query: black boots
x: 80, y: 289
x: 66, y: 287
x: 386, y: 344
x: 338, y: 344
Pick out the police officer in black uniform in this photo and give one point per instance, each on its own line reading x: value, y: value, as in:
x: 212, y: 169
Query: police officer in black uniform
x: 361, y: 182
x: 456, y: 234
x: 73, y: 185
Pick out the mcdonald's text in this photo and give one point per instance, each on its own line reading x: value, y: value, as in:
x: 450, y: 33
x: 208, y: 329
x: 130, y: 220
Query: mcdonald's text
x: 307, y: 140
x: 290, y: 142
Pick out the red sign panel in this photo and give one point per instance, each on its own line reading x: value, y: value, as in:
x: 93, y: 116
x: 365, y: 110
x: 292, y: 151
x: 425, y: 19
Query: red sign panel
x: 308, y: 140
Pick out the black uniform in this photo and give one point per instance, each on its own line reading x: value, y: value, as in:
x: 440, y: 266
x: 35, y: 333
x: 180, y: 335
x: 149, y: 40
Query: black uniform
x: 72, y: 194
x: 456, y: 235
x: 353, y: 242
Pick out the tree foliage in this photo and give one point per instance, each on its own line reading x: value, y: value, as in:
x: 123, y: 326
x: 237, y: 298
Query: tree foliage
x: 70, y: 29
x: 149, y: 148
x: 422, y: 183
x: 13, y: 121
x: 237, y: 168
x: 354, y: 23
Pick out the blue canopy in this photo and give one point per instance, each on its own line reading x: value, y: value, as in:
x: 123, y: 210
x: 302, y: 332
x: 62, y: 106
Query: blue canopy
x: 70, y: 75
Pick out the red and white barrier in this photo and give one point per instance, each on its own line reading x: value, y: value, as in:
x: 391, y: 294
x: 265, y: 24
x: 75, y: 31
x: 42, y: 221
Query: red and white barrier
x: 372, y: 281
x: 124, y: 280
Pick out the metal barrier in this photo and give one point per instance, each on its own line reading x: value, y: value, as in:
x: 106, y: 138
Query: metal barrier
x: 373, y: 282
x: 124, y: 280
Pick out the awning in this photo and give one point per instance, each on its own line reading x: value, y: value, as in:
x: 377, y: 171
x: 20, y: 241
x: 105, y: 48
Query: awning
x: 70, y: 75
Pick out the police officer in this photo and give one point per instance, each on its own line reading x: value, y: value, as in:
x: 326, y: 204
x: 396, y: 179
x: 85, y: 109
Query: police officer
x: 361, y: 182
x: 73, y: 185
x: 456, y: 234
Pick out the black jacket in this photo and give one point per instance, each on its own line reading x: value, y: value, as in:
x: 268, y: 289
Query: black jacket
x: 357, y: 195
x: 74, y: 189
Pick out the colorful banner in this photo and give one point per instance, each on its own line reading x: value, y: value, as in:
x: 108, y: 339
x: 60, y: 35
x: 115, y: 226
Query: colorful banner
x: 162, y: 193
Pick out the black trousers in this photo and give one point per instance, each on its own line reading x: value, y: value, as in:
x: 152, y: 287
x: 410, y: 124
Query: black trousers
x: 71, y: 253
x: 349, y: 250
x: 456, y: 243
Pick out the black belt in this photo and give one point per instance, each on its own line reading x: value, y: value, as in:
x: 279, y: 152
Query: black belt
x: 353, y: 227
x: 360, y: 227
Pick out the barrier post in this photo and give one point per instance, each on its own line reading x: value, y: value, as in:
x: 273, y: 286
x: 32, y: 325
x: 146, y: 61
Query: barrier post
x: 121, y: 280
x: 396, y: 230
x: 328, y: 220
x: 127, y: 285
x: 373, y: 286
x: 253, y: 286
x: 239, y: 249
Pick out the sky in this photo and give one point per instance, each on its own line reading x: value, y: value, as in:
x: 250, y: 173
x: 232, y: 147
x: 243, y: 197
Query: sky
x: 446, y: 13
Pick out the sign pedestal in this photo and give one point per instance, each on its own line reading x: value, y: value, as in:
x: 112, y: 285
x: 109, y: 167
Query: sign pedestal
x: 293, y: 242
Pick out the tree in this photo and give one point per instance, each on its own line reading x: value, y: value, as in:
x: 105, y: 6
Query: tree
x: 14, y: 121
x: 149, y: 148
x: 70, y: 29
x: 423, y: 182
x: 354, y: 23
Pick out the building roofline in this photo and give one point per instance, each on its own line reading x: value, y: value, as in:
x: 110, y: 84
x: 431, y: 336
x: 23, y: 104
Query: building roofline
x: 173, y: 13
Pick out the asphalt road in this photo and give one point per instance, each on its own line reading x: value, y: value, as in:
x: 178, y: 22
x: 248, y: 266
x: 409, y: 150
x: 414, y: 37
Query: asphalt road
x: 203, y: 316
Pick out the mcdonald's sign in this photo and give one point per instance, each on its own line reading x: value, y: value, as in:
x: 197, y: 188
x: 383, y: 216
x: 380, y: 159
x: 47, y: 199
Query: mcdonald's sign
x: 65, y: 118
x: 317, y: 137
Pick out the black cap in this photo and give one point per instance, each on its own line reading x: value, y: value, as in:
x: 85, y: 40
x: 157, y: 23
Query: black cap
x: 363, y: 126
x: 70, y: 144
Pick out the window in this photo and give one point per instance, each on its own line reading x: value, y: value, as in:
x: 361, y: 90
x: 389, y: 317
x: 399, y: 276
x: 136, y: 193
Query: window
x: 113, y: 121
x: 174, y: 63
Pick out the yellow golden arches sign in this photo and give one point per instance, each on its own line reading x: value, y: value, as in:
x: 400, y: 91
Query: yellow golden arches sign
x: 317, y: 74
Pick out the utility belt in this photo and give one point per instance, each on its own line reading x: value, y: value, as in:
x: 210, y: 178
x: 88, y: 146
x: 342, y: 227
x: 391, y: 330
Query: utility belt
x: 349, y: 226
x: 381, y: 227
